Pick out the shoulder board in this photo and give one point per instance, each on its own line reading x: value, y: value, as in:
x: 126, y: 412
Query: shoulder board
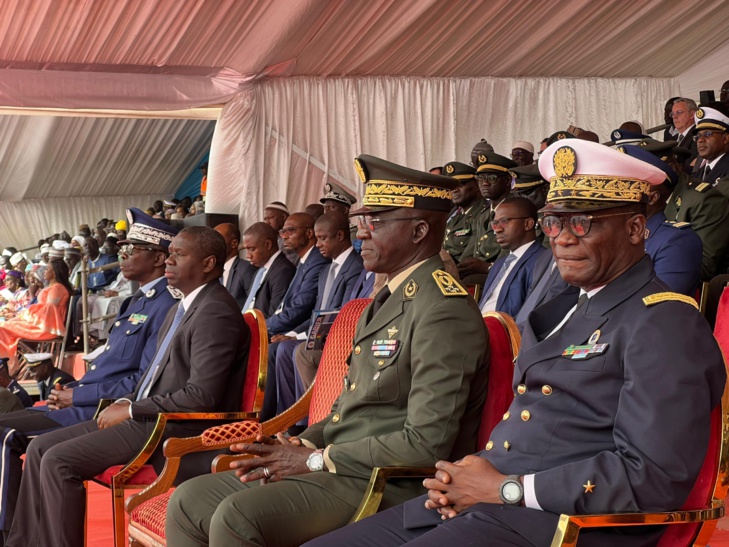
x: 176, y: 293
x: 703, y: 187
x: 56, y: 381
x: 447, y: 285
x: 666, y: 296
x: 679, y: 225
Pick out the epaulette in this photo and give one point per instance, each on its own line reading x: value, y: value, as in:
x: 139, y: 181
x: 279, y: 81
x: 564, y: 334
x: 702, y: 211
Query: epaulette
x: 176, y: 293
x: 447, y: 285
x: 56, y: 381
x: 702, y: 187
x: 679, y: 225
x: 666, y: 296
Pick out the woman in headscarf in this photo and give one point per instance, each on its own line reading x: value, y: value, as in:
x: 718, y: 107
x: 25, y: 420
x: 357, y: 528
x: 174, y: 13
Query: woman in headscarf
x: 42, y: 321
x: 13, y: 295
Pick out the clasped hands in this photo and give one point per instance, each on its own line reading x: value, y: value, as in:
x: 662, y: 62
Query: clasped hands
x: 459, y: 485
x: 60, y: 397
x: 272, y: 459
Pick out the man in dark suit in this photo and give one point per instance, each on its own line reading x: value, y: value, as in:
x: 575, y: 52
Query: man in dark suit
x: 514, y: 227
x: 120, y: 364
x: 605, y: 418
x: 237, y: 274
x: 199, y: 366
x: 298, y: 303
x: 273, y: 271
x: 363, y: 287
x: 712, y: 142
x: 682, y: 112
x: 335, y: 281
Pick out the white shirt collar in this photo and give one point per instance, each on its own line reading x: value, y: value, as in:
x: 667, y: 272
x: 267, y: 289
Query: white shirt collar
x: 342, y: 257
x: 687, y: 131
x: 711, y: 164
x: 306, y: 255
x: 148, y: 286
x: 268, y: 264
x: 190, y: 298
x: 229, y: 263
x: 519, y: 252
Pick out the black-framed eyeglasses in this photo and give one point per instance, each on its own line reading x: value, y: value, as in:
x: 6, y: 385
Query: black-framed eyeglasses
x: 370, y: 222
x: 707, y: 134
x: 502, y: 222
x: 129, y: 249
x: 490, y: 177
x: 579, y: 225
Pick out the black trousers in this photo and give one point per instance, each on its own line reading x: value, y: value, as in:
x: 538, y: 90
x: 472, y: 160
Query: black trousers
x: 15, y: 430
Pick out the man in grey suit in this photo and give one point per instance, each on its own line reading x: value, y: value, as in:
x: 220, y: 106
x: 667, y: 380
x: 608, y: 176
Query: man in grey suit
x: 614, y: 390
x: 199, y: 366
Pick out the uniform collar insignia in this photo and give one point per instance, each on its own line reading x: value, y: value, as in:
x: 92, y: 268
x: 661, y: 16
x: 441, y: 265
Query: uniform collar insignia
x: 392, y: 331
x: 176, y: 293
x: 150, y: 293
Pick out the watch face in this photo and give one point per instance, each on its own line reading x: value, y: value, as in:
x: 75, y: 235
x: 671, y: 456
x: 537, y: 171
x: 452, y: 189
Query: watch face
x: 511, y: 491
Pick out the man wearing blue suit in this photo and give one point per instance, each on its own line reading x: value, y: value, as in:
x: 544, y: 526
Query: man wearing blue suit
x: 118, y: 368
x: 336, y: 281
x: 298, y: 303
x: 509, y: 279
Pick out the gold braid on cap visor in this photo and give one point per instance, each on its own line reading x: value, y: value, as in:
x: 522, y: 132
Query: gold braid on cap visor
x: 386, y: 193
x: 597, y: 188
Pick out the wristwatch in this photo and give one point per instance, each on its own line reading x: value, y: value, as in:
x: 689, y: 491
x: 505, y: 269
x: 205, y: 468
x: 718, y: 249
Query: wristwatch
x: 315, y: 461
x: 511, y: 491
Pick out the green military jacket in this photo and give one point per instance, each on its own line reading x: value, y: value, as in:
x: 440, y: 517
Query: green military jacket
x: 460, y: 229
x: 707, y: 210
x: 415, y: 386
x: 483, y: 242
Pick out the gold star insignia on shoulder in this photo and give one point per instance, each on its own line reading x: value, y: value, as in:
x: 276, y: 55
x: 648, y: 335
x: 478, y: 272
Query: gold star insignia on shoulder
x: 589, y: 487
x: 447, y: 285
x: 410, y: 290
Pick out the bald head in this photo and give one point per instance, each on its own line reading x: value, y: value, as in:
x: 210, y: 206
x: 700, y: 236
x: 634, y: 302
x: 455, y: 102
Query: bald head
x: 231, y: 234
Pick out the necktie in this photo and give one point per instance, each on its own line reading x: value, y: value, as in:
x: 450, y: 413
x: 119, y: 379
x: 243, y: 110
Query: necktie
x: 380, y: 298
x: 680, y: 139
x: 331, y: 276
x: 152, y: 370
x: 257, y: 281
x: 510, y: 259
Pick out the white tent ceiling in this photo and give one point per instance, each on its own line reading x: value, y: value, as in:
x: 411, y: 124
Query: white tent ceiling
x: 172, y: 54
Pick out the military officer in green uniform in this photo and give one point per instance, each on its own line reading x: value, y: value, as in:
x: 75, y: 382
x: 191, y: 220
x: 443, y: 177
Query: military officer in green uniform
x: 529, y: 183
x: 697, y: 203
x: 408, y: 398
x: 337, y: 200
x: 469, y: 204
x: 494, y: 181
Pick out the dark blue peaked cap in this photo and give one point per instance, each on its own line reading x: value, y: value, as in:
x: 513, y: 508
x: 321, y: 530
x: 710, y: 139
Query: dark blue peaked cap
x: 146, y: 229
x: 643, y: 155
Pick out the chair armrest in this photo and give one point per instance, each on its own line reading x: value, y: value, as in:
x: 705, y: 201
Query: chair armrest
x: 103, y: 403
x: 372, y: 496
x: 569, y: 526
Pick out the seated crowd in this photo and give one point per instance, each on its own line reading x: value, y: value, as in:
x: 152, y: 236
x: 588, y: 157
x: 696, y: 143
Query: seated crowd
x: 596, y: 247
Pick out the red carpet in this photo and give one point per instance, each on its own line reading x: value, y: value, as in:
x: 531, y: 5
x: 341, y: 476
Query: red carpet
x: 99, y: 533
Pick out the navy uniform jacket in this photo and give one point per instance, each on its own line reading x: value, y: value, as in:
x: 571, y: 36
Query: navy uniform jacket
x: 130, y: 348
x: 363, y: 287
x: 298, y: 303
x: 344, y: 283
x: 99, y: 280
x: 58, y: 376
x: 633, y: 420
x: 676, y: 253
x: 516, y: 286
x: 16, y: 389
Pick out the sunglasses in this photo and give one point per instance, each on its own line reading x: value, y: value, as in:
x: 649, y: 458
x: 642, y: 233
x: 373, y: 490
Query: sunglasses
x: 370, y: 223
x: 579, y: 225
x: 131, y: 247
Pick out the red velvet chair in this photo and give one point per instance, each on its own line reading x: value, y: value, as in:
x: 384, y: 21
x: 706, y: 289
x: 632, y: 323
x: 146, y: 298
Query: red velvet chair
x: 148, y: 508
x: 504, y: 341
x: 137, y: 474
x: 696, y: 521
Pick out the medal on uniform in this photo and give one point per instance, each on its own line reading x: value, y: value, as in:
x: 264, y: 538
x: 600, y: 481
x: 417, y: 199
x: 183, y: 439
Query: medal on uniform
x: 137, y: 318
x: 584, y: 352
x: 594, y: 337
x: 392, y: 331
x: 384, y: 348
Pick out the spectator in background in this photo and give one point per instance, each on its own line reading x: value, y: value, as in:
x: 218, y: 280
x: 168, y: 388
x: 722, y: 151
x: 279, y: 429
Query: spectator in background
x: 682, y: 113
x: 315, y: 210
x: 480, y: 148
x: 204, y: 182
x: 522, y: 153
x: 237, y: 274
x: 712, y: 143
x: 724, y: 93
x: 670, y: 133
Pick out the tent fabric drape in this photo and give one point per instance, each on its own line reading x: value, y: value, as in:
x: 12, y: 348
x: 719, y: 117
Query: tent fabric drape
x: 284, y: 138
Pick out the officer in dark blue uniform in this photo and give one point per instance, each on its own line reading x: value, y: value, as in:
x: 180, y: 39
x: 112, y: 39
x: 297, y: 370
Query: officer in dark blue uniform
x: 674, y: 247
x: 120, y: 363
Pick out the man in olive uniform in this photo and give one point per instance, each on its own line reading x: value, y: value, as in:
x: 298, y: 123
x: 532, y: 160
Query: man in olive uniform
x: 408, y: 399
x: 494, y: 181
x: 337, y: 200
x: 605, y: 416
x: 469, y: 204
x: 704, y: 207
x: 528, y: 183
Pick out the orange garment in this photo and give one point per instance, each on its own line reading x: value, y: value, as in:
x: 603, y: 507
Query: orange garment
x: 204, y: 186
x: 42, y: 321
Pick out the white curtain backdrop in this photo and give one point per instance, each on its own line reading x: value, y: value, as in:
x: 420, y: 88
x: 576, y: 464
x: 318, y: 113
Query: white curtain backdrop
x: 284, y: 138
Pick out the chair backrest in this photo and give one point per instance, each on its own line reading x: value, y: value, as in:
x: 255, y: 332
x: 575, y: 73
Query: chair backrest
x: 333, y: 365
x: 255, y: 381
x: 710, y: 484
x: 504, y: 341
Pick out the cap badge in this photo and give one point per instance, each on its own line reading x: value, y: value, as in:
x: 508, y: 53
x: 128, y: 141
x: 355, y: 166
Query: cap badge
x: 700, y: 113
x: 410, y: 290
x: 360, y: 170
x: 594, y: 337
x: 449, y: 168
x: 565, y: 162
x: 616, y: 134
x: 561, y: 136
x: 481, y: 158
